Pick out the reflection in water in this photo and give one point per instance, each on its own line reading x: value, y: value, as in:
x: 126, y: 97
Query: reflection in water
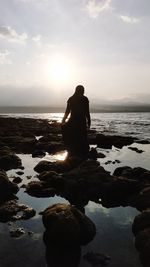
x: 61, y: 256
x: 61, y: 156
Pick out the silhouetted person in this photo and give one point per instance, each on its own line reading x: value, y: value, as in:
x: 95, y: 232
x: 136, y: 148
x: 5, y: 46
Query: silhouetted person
x: 75, y: 130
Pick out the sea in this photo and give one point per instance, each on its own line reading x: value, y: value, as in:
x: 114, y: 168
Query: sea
x: 113, y: 226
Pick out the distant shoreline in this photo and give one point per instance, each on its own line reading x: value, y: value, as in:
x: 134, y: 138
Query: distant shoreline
x: 106, y: 109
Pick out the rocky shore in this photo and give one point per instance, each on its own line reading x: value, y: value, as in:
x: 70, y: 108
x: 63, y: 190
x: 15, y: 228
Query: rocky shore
x: 78, y: 181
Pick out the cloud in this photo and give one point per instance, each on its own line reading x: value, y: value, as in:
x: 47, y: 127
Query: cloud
x: 12, y: 36
x: 95, y: 7
x: 37, y: 39
x: 4, y: 57
x: 128, y: 19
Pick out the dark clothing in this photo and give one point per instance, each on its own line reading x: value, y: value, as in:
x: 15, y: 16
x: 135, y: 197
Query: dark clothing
x: 75, y: 130
x: 79, y: 108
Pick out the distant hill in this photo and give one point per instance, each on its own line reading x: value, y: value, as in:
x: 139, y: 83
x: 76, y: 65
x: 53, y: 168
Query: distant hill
x: 94, y: 109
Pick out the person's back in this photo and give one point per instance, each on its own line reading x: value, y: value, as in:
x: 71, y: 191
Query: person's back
x: 75, y: 130
x: 78, y: 105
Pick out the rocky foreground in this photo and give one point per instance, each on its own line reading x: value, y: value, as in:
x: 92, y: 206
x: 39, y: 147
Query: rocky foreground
x: 74, y: 179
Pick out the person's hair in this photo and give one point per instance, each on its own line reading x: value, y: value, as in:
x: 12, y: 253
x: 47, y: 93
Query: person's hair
x: 79, y: 90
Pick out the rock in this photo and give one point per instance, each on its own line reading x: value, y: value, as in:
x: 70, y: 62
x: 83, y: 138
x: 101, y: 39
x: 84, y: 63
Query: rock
x: 50, y: 147
x: 28, y: 213
x: 7, y: 188
x: 117, y: 192
x: 142, y: 200
x: 93, y: 154
x: 39, y: 189
x: 20, y: 173
x: 142, y: 244
x: 67, y: 225
x: 142, y: 241
x: 17, y: 232
x: 8, y: 160
x: 124, y: 171
x: 141, y: 222
x: 101, y: 155
x: 44, y: 166
x: 136, y: 149
x: 69, y: 256
x: 9, y: 210
x: 38, y: 153
x: 140, y: 174
x: 17, y: 180
x: 29, y: 177
x: 58, y: 166
x: 143, y: 142
x: 107, y: 141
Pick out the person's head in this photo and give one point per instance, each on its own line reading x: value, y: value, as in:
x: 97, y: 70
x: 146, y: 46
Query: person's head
x: 79, y: 90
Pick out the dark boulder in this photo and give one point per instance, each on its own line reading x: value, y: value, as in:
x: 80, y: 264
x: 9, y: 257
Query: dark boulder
x: 40, y: 189
x: 7, y: 188
x: 8, y: 160
x: 141, y: 222
x: 67, y: 225
x: 107, y: 141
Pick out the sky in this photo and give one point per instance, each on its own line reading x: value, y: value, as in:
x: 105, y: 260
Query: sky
x: 48, y: 47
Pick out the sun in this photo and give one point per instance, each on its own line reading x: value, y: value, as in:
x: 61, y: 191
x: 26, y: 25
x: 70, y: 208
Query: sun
x: 59, y: 70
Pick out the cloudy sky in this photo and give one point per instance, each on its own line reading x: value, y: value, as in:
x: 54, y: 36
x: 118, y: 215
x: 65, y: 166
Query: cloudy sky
x: 47, y: 47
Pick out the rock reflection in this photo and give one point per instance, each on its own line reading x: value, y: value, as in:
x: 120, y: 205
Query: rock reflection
x: 61, y: 256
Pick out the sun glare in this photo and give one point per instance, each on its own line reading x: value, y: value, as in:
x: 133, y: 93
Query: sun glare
x: 60, y: 70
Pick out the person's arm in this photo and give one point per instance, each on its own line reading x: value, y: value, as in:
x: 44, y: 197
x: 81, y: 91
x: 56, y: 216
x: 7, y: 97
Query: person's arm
x: 88, y: 117
x: 66, y: 112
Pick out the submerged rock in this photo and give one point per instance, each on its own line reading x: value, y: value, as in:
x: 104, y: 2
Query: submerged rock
x: 17, y: 232
x: 67, y: 225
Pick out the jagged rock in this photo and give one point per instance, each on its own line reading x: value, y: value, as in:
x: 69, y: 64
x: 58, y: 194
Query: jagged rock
x: 67, y: 225
x: 141, y: 222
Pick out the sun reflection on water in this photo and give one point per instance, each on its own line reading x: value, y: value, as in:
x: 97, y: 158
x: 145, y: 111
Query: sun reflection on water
x: 61, y: 156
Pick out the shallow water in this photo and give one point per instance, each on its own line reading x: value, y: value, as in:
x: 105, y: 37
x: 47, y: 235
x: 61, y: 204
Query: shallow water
x: 114, y: 234
x: 133, y: 124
